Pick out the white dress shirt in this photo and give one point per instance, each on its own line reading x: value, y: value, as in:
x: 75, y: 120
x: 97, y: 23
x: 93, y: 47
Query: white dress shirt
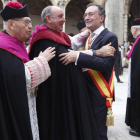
x: 96, y: 32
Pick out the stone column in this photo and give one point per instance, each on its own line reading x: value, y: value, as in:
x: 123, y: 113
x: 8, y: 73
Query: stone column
x: 4, y: 3
x: 101, y: 2
x: 114, y: 18
x: 125, y: 16
x: 62, y: 4
x: 109, y: 9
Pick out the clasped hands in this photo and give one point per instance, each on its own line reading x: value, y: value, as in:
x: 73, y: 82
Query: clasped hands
x: 71, y: 56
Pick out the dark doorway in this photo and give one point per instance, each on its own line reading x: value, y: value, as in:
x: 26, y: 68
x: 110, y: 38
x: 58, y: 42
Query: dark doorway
x: 36, y: 6
x: 74, y: 13
x: 134, y: 13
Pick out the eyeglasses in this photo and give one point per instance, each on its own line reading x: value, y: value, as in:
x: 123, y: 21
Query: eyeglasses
x: 89, y: 15
x: 27, y: 22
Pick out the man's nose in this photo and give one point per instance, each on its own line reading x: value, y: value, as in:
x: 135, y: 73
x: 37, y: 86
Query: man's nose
x: 86, y: 18
x: 30, y: 26
x: 64, y: 20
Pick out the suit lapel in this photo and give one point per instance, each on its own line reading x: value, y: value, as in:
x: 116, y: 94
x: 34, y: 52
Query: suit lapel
x: 100, y: 36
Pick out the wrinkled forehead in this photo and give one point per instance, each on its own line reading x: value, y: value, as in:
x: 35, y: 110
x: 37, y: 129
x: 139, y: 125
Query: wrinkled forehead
x: 56, y: 11
x: 92, y: 9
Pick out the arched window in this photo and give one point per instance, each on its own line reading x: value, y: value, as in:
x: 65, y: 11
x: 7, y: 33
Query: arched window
x: 35, y: 9
x: 74, y: 13
x: 134, y: 13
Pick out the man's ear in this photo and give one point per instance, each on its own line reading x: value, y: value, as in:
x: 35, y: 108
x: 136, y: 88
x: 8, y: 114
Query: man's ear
x: 11, y: 24
x: 136, y: 29
x: 102, y: 18
x: 48, y: 18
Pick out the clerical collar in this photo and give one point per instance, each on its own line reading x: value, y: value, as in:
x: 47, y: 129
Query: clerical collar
x: 4, y: 31
x: 49, y: 28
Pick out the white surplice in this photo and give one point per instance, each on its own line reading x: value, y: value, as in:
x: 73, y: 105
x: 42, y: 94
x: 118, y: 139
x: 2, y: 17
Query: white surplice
x: 36, y: 71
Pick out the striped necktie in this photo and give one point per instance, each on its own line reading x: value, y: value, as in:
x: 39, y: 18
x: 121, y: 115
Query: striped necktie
x: 90, y: 39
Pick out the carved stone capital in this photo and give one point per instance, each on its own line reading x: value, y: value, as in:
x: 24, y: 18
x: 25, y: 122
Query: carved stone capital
x: 101, y: 2
x: 5, y: 2
x: 62, y: 3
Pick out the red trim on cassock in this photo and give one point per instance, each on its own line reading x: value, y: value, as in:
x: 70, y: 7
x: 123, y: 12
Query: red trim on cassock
x: 61, y: 38
x: 12, y: 53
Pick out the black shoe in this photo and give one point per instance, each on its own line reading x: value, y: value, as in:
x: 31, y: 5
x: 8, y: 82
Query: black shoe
x: 120, y: 81
x: 134, y: 133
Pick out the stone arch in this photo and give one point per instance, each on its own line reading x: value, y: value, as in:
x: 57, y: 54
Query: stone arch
x: 101, y: 2
x: 134, y: 9
x: 36, y: 6
x: 74, y: 13
x: 134, y: 12
x: 35, y: 9
x: 127, y: 4
x: 1, y: 20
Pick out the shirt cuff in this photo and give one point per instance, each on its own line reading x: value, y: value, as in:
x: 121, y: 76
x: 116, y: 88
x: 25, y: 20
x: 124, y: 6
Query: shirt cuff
x: 77, y: 58
x: 94, y: 52
x: 89, y: 52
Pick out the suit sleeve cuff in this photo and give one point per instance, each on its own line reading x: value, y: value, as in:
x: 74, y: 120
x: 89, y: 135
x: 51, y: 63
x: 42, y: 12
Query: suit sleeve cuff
x: 89, y: 52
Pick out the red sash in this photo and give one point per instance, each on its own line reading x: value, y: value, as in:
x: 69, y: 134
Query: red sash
x: 106, y: 89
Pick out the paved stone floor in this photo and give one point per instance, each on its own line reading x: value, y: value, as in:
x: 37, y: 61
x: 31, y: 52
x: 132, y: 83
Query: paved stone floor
x: 120, y: 131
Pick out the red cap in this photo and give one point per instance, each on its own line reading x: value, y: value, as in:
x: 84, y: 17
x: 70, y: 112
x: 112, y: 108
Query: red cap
x: 14, y: 4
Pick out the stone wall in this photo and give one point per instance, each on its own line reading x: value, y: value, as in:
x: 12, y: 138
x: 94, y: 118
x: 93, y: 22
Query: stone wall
x: 115, y: 18
x: 117, y: 14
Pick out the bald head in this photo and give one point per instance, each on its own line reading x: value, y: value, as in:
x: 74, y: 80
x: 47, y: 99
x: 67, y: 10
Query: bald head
x: 48, y: 11
x: 53, y: 17
x: 54, y: 8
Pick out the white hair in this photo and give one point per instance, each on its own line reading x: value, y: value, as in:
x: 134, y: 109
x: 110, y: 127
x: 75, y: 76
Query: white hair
x: 5, y: 24
x: 46, y: 11
x: 137, y: 26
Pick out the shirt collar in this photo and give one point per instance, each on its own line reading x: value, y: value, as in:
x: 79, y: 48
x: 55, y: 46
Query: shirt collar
x: 99, y: 30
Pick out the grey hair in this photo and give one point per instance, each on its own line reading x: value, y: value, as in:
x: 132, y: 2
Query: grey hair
x: 5, y: 24
x: 46, y: 11
x: 100, y: 8
x: 138, y: 27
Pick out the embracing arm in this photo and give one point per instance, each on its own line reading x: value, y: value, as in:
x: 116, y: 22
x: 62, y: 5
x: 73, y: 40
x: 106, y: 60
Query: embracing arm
x: 38, y: 70
x: 99, y: 63
x: 78, y: 40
